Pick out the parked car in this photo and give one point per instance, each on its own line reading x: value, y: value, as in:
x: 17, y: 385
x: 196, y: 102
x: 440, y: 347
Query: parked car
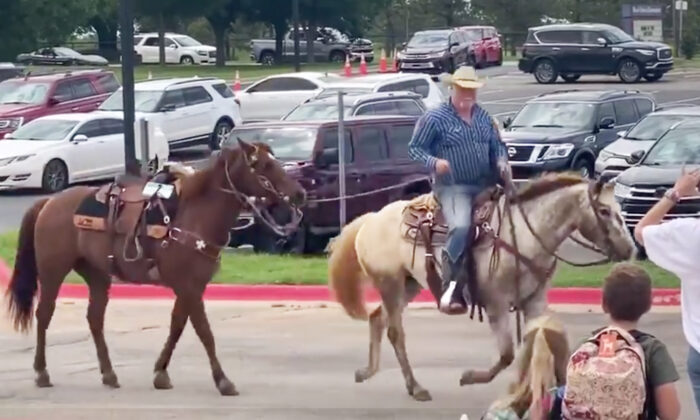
x: 329, y: 45
x: 58, y: 150
x: 434, y: 51
x: 571, y: 50
x: 29, y: 97
x: 9, y: 70
x: 60, y: 56
x: 325, y: 107
x: 421, y: 84
x: 191, y: 111
x: 613, y: 159
x: 566, y: 130
x: 179, y: 49
x: 376, y: 157
x: 485, y: 47
x: 640, y: 187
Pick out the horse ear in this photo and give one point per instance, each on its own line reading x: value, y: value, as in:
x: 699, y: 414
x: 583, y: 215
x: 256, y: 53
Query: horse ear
x: 246, y: 147
x: 598, y: 186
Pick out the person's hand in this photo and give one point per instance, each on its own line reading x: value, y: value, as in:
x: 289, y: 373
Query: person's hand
x: 442, y: 167
x: 687, y: 184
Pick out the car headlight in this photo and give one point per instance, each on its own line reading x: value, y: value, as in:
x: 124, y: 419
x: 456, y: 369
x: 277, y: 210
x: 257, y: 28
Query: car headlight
x: 646, y: 52
x: 605, y: 155
x: 202, y: 53
x: 437, y: 54
x: 400, y: 55
x: 14, y: 159
x: 621, y: 190
x: 11, y: 123
x: 558, y: 151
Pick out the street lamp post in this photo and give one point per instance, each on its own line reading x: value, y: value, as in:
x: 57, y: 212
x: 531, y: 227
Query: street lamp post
x: 126, y: 26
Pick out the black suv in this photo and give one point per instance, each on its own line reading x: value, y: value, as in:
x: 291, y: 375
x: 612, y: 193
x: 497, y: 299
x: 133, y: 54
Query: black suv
x: 638, y: 188
x: 566, y: 130
x: 435, y: 51
x: 575, y: 49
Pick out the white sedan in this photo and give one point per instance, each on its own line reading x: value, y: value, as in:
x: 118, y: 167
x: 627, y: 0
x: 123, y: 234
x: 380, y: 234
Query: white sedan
x: 55, y: 151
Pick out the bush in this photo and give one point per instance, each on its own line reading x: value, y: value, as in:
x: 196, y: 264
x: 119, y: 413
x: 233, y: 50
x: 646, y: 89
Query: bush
x: 689, y: 46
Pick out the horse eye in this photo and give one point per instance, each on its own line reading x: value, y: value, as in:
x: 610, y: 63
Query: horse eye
x: 604, y: 211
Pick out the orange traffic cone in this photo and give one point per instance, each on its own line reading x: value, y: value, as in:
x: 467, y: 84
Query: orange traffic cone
x: 237, y: 82
x: 348, y: 67
x: 363, y: 64
x: 382, y: 62
x: 394, y: 64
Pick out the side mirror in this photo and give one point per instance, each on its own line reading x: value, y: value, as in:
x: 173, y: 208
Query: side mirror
x: 80, y: 138
x: 173, y: 46
x: 168, y: 108
x: 622, y: 133
x: 635, y: 157
x: 327, y: 158
x: 53, y: 101
x: 454, y: 44
x: 507, y: 122
x: 606, y: 123
x: 602, y: 41
x: 403, y: 44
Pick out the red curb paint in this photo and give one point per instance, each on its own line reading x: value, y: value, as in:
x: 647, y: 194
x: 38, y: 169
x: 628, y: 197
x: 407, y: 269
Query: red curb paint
x: 572, y: 295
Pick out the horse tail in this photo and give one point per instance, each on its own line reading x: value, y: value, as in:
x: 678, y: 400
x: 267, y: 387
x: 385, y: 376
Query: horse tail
x: 23, y: 285
x: 345, y: 272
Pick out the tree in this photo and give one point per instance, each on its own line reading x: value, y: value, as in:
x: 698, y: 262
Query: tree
x: 221, y: 15
x: 105, y: 22
x: 277, y: 13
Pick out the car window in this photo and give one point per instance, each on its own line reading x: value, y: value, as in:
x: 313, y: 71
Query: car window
x: 137, y: 40
x: 379, y: 108
x: 330, y: 141
x: 173, y: 97
x: 591, y: 37
x: 371, y: 144
x: 223, y: 90
x: 83, y: 88
x: 196, y: 95
x: 560, y: 37
x: 625, y: 112
x: 399, y: 136
x: 644, y: 106
x: 419, y: 86
x: 606, y: 110
x: 151, y: 41
x: 112, y: 126
x: 407, y: 107
x: 107, y: 82
x: 284, y: 84
x: 91, y: 129
x: 169, y: 42
x: 63, y: 92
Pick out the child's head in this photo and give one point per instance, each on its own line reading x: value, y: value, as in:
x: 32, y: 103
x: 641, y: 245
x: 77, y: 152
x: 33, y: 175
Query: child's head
x: 627, y: 292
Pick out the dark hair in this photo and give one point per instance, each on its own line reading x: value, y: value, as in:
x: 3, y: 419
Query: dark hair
x: 627, y: 292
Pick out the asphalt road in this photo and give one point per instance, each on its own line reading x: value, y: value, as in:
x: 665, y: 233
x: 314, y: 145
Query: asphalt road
x: 506, y: 90
x: 288, y: 362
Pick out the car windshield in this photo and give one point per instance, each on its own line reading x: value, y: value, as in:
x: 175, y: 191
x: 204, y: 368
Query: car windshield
x: 322, y: 111
x: 287, y: 143
x: 145, y: 101
x: 428, y: 39
x: 678, y: 147
x: 19, y: 92
x: 654, y: 126
x: 553, y: 114
x: 66, y: 52
x: 44, y: 130
x: 617, y: 35
x: 473, y: 35
x: 186, y: 41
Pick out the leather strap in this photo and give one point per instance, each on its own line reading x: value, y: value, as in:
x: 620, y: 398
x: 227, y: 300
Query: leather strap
x: 194, y: 241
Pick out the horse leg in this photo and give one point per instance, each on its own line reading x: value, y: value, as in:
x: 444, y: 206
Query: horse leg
x: 99, y: 284
x: 48, y: 294
x: 393, y: 293
x: 377, y: 325
x: 198, y: 318
x: 500, y: 326
x: 178, y: 319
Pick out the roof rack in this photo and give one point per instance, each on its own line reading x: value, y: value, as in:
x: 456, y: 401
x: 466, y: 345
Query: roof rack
x: 558, y: 91
x: 194, y: 79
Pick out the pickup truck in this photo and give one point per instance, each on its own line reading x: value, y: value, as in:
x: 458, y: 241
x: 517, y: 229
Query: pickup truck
x: 330, y: 45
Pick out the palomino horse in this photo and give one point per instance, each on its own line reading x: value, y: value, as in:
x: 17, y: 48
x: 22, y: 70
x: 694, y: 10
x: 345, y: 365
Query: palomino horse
x: 50, y: 246
x: 373, y: 249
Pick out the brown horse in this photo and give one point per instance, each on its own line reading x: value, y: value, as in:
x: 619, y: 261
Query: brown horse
x: 186, y: 259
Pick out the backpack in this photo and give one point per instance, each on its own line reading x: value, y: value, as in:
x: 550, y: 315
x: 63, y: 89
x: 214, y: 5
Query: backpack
x: 606, y: 378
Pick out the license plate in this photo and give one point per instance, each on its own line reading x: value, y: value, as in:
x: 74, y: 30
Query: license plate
x: 417, y: 65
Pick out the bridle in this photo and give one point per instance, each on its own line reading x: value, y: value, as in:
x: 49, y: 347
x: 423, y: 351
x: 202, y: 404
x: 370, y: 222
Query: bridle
x: 251, y: 201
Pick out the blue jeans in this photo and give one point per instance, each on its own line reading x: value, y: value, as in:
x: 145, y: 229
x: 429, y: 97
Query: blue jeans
x: 456, y: 204
x: 694, y: 374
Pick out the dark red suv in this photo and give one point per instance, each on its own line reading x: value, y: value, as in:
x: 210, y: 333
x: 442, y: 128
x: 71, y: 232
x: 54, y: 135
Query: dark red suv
x: 485, y: 48
x: 23, y: 99
x: 376, y: 159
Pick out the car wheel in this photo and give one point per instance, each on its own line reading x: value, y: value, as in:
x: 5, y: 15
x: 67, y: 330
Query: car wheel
x: 629, y: 71
x: 187, y: 60
x: 570, y: 78
x: 653, y: 77
x: 545, y: 71
x: 267, y: 58
x: 584, y: 167
x: 220, y: 134
x: 338, y: 57
x: 55, y: 177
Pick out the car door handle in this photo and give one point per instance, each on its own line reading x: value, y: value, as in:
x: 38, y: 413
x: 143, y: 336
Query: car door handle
x: 585, y: 49
x: 556, y: 48
x: 75, y: 109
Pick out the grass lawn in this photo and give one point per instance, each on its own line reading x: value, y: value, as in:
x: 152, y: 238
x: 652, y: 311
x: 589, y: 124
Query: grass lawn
x: 248, y: 268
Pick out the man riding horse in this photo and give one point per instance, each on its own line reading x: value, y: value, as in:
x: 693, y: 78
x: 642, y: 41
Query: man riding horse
x: 460, y: 143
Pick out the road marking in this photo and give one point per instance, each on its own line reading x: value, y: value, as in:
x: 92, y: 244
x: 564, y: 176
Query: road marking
x: 496, y: 101
x: 491, y: 91
x: 697, y: 98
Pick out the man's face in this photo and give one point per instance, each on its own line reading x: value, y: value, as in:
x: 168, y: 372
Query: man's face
x: 463, y: 98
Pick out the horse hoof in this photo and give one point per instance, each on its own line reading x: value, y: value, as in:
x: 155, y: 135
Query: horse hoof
x: 362, y: 375
x: 420, y: 394
x: 110, y: 379
x: 161, y: 380
x: 42, y: 379
x: 227, y: 388
x: 468, y: 378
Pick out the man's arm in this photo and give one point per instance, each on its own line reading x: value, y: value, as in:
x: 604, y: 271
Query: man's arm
x: 498, y: 152
x: 420, y: 146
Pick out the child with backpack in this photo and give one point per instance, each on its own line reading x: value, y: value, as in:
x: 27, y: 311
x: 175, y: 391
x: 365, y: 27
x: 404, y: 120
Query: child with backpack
x: 541, y: 368
x: 621, y: 372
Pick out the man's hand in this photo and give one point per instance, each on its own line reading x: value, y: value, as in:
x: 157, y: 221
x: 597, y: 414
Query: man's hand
x: 442, y: 167
x: 687, y: 184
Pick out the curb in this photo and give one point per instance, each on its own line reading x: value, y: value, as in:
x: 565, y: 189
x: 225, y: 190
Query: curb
x: 572, y: 295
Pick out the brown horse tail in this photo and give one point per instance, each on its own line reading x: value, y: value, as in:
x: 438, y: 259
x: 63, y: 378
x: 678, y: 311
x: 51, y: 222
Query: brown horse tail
x: 23, y: 285
x: 345, y: 273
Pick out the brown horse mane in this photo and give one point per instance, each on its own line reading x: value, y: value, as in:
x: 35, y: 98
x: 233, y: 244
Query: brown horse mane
x: 549, y: 183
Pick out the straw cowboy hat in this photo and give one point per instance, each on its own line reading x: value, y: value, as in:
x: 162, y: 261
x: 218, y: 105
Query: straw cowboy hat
x: 464, y: 77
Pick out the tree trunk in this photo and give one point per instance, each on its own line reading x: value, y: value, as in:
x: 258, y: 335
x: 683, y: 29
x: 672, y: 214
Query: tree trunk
x: 220, y: 32
x: 310, y: 36
x: 106, y: 37
x: 161, y: 39
x: 280, y: 27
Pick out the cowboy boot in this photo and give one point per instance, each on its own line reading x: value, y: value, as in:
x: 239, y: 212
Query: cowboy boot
x: 452, y: 301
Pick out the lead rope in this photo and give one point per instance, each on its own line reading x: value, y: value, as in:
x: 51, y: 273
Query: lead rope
x: 516, y: 305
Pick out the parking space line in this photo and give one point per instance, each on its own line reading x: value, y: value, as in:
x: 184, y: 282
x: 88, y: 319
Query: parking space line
x: 697, y: 98
x: 509, y: 100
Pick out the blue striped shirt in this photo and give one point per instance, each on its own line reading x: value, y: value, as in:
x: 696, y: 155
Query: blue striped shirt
x: 472, y: 150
